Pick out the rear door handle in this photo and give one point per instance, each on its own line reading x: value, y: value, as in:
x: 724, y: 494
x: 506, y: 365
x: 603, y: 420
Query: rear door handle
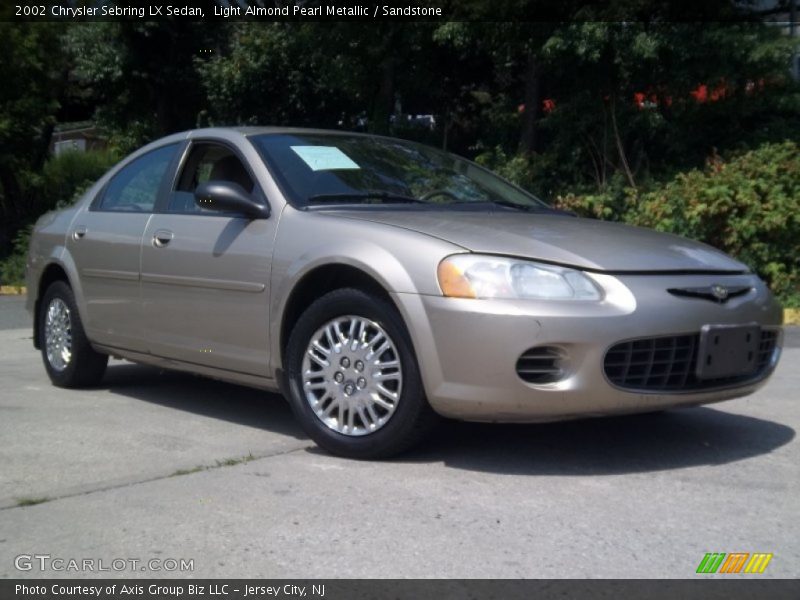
x: 162, y: 237
x: 79, y: 233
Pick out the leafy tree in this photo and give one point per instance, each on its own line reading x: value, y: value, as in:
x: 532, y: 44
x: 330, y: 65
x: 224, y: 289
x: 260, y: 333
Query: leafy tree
x: 629, y: 98
x: 514, y: 89
x: 319, y: 74
x: 274, y: 73
x: 605, y: 95
x: 34, y: 74
x: 141, y: 75
x: 626, y: 105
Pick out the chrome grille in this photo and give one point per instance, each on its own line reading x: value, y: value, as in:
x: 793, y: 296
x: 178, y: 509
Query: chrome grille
x: 667, y: 364
x: 541, y: 364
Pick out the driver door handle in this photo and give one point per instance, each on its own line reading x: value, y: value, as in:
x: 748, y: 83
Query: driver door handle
x: 79, y: 233
x: 162, y: 237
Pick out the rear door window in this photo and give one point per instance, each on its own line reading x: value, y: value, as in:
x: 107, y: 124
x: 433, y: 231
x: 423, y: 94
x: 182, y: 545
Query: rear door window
x: 135, y: 187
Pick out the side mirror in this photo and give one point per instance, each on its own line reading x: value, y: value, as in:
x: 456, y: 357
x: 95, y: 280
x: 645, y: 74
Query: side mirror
x: 226, y: 196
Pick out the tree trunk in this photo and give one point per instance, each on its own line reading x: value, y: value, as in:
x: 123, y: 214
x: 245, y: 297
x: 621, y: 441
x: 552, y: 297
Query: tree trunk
x: 620, y: 146
x: 163, y: 117
x: 445, y: 129
x: 384, y: 102
x: 530, y: 116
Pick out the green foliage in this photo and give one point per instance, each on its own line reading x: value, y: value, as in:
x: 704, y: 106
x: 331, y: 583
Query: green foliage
x: 61, y: 182
x: 275, y: 74
x: 331, y: 74
x: 140, y: 76
x: 748, y: 206
x: 32, y: 74
x: 12, y: 268
x: 28, y: 98
x: 625, y: 97
x: 596, y: 101
x: 66, y: 176
x: 517, y: 168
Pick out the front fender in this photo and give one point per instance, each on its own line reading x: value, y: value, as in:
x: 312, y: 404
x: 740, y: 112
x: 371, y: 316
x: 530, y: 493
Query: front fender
x: 401, y: 261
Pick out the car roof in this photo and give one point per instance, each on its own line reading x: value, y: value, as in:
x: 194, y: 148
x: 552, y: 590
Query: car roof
x: 233, y: 132
x: 250, y: 130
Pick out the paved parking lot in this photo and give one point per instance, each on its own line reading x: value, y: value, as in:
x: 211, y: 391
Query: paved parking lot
x: 162, y: 465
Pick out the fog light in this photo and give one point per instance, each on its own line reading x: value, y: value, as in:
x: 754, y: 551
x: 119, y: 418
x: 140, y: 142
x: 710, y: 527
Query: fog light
x: 542, y: 364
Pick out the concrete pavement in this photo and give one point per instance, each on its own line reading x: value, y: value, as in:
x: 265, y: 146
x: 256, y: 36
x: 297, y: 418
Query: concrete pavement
x: 163, y: 465
x: 12, y: 313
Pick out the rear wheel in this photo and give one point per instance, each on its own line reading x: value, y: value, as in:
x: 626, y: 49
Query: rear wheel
x: 68, y: 357
x: 353, y: 378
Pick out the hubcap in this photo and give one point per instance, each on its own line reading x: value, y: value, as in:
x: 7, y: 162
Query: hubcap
x: 58, y: 334
x: 352, y: 376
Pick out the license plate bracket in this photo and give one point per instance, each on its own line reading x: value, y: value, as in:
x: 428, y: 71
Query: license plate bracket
x: 727, y: 350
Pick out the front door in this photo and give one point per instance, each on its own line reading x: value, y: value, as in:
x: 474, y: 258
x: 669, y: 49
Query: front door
x: 205, y: 274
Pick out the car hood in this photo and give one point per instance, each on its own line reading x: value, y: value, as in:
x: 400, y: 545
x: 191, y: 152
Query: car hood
x: 585, y: 243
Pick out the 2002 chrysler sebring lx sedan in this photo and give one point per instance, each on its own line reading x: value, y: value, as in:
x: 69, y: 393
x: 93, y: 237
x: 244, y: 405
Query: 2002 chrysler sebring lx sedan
x: 378, y: 283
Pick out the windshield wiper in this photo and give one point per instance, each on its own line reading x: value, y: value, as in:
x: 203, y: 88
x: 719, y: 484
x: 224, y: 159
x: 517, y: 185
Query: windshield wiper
x: 531, y: 208
x: 503, y: 203
x: 365, y: 198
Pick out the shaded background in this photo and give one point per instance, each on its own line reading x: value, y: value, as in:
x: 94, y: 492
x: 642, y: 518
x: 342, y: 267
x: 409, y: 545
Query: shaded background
x: 686, y: 127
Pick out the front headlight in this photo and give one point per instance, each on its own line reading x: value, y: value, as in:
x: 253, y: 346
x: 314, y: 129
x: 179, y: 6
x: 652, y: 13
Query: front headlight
x: 480, y: 276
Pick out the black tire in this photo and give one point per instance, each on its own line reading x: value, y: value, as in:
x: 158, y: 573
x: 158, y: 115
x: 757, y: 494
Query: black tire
x: 413, y: 417
x: 86, y: 366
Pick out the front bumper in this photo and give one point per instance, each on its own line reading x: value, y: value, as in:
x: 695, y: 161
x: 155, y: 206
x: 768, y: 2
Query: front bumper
x: 468, y: 349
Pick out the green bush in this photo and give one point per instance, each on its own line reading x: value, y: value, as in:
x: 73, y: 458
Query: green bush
x: 12, y: 268
x: 67, y: 175
x: 538, y: 173
x: 747, y: 206
x: 61, y: 181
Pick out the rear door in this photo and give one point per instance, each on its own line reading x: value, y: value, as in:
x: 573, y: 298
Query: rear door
x: 205, y: 274
x: 105, y: 243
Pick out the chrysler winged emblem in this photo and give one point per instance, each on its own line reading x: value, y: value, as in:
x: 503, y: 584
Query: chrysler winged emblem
x: 720, y: 292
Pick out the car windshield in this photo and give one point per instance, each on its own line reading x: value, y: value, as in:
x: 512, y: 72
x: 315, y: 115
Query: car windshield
x: 325, y: 169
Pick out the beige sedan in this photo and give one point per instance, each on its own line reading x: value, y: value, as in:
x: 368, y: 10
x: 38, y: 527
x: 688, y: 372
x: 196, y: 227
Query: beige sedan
x: 379, y: 283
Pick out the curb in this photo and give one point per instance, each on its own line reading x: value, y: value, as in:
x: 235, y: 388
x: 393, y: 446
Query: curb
x: 791, y: 316
x: 12, y: 290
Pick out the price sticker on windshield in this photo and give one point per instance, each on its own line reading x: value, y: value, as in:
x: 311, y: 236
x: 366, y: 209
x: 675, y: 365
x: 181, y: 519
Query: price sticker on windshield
x: 324, y: 158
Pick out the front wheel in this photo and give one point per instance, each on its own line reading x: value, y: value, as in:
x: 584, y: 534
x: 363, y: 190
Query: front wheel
x: 353, y: 378
x: 68, y: 356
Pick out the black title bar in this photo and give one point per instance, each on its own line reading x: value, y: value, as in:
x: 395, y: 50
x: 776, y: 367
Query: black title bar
x: 353, y: 10
x: 705, y: 588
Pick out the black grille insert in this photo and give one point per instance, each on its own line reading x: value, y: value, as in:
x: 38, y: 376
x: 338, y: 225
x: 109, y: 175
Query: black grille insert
x: 707, y: 293
x: 667, y: 364
x: 541, y: 364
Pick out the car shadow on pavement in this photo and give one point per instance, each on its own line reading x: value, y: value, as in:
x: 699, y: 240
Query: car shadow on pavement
x: 672, y: 439
x: 203, y: 396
